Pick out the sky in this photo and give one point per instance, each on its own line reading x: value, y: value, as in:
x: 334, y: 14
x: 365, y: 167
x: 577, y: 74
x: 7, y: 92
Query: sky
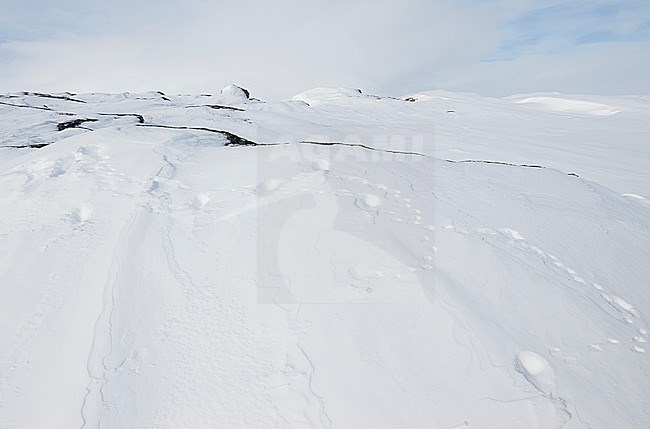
x: 278, y: 49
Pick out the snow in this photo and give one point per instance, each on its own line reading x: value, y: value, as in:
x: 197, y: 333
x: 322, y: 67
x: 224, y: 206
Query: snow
x: 82, y: 214
x: 268, y: 185
x: 369, y: 200
x: 200, y: 201
x: 536, y: 370
x: 567, y: 105
x: 317, y: 96
x: 372, y: 262
x: 321, y: 164
x: 234, y: 93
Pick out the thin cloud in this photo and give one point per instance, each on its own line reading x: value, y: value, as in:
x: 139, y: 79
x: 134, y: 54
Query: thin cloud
x: 278, y: 49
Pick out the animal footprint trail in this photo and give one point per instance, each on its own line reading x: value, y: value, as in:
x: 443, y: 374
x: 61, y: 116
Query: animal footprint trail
x: 628, y: 311
x: 390, y: 205
x: 401, y: 211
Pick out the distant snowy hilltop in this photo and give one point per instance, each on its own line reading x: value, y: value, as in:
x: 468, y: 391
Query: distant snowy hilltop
x: 337, y: 260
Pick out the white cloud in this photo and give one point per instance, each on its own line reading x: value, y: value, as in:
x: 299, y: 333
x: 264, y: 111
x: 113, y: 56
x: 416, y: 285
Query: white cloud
x: 280, y: 48
x: 606, y: 68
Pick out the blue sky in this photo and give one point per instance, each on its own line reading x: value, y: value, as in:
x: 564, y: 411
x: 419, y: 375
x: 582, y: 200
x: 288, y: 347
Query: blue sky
x: 277, y: 49
x: 563, y: 26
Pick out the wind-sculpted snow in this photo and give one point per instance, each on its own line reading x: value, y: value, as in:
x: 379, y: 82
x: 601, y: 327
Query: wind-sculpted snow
x: 285, y: 265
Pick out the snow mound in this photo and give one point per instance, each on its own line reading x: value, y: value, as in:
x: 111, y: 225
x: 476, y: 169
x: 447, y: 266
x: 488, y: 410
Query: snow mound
x: 634, y: 196
x: 536, y: 370
x: 369, y: 201
x: 62, y: 165
x: 436, y: 95
x: 565, y: 105
x: 82, y: 214
x: 236, y: 93
x: 267, y: 186
x: 199, y: 201
x: 327, y: 95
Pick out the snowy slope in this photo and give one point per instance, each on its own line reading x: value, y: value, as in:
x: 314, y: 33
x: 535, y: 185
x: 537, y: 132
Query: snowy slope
x: 337, y: 260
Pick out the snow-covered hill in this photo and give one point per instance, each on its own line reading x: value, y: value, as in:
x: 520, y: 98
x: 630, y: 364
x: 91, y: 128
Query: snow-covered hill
x: 337, y: 260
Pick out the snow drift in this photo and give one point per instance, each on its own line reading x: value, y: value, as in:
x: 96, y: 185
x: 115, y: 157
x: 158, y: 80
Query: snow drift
x: 333, y: 261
